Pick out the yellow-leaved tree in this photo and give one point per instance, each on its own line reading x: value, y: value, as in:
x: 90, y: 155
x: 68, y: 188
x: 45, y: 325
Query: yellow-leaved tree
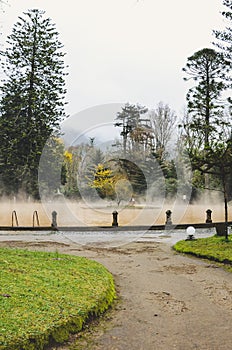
x: 104, y: 182
x: 112, y: 184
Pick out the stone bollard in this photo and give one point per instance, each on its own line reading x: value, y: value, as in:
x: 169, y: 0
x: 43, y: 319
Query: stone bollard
x: 115, y: 218
x: 221, y: 229
x: 54, y: 219
x: 168, y: 217
x: 208, y: 216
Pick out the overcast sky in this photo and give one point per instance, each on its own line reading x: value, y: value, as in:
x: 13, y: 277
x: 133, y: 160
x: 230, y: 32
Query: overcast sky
x: 126, y: 50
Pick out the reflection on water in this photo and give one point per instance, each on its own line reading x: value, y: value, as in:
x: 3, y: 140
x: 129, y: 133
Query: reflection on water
x: 82, y: 214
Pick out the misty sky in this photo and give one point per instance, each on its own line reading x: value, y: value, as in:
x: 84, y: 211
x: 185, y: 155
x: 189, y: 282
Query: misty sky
x: 122, y: 51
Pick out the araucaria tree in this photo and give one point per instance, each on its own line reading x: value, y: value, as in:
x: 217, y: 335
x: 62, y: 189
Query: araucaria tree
x: 208, y: 68
x: 206, y: 125
x: 32, y: 102
x: 224, y: 37
x: 134, y: 131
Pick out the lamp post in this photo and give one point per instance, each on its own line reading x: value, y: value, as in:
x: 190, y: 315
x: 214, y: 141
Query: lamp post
x: 190, y: 232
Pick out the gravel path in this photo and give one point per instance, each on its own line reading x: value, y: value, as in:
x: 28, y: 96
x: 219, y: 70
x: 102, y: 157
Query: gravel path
x: 167, y: 301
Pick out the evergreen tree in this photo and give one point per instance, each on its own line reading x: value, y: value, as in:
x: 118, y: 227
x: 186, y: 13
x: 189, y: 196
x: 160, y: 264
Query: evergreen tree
x: 224, y: 37
x: 32, y: 103
x: 52, y: 170
x: 224, y: 40
x: 134, y: 132
x: 217, y: 164
x: 206, y: 126
x: 208, y: 68
x: 144, y: 138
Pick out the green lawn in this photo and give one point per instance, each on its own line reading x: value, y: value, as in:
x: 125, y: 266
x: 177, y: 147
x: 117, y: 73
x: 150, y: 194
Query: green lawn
x: 46, y: 296
x: 214, y: 248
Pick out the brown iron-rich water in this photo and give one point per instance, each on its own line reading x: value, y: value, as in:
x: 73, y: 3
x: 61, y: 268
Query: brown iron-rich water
x: 82, y: 214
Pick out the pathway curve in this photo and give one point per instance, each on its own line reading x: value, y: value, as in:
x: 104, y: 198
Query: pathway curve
x: 168, y: 301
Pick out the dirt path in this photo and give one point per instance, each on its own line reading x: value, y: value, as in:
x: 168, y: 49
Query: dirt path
x: 168, y: 301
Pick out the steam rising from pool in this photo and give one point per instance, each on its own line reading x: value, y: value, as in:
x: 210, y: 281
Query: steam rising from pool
x: 73, y: 213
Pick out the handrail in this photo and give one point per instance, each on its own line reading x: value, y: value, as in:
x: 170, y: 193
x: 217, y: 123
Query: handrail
x: 35, y: 218
x: 14, y: 216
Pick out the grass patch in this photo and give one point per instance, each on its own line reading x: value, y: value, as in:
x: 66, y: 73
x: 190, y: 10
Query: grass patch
x: 46, y: 296
x: 214, y: 248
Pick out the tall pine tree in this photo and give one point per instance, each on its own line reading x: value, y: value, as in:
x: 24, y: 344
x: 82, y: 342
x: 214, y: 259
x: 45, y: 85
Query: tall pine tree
x: 208, y: 69
x: 32, y: 103
x: 224, y: 37
x: 224, y: 40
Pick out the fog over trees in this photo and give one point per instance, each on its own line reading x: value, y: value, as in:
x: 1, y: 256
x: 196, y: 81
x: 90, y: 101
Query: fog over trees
x: 143, y: 157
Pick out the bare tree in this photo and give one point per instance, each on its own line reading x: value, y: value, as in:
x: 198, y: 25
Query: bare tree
x: 163, y: 121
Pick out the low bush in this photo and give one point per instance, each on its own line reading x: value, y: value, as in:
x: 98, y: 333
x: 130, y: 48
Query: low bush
x: 46, y: 296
